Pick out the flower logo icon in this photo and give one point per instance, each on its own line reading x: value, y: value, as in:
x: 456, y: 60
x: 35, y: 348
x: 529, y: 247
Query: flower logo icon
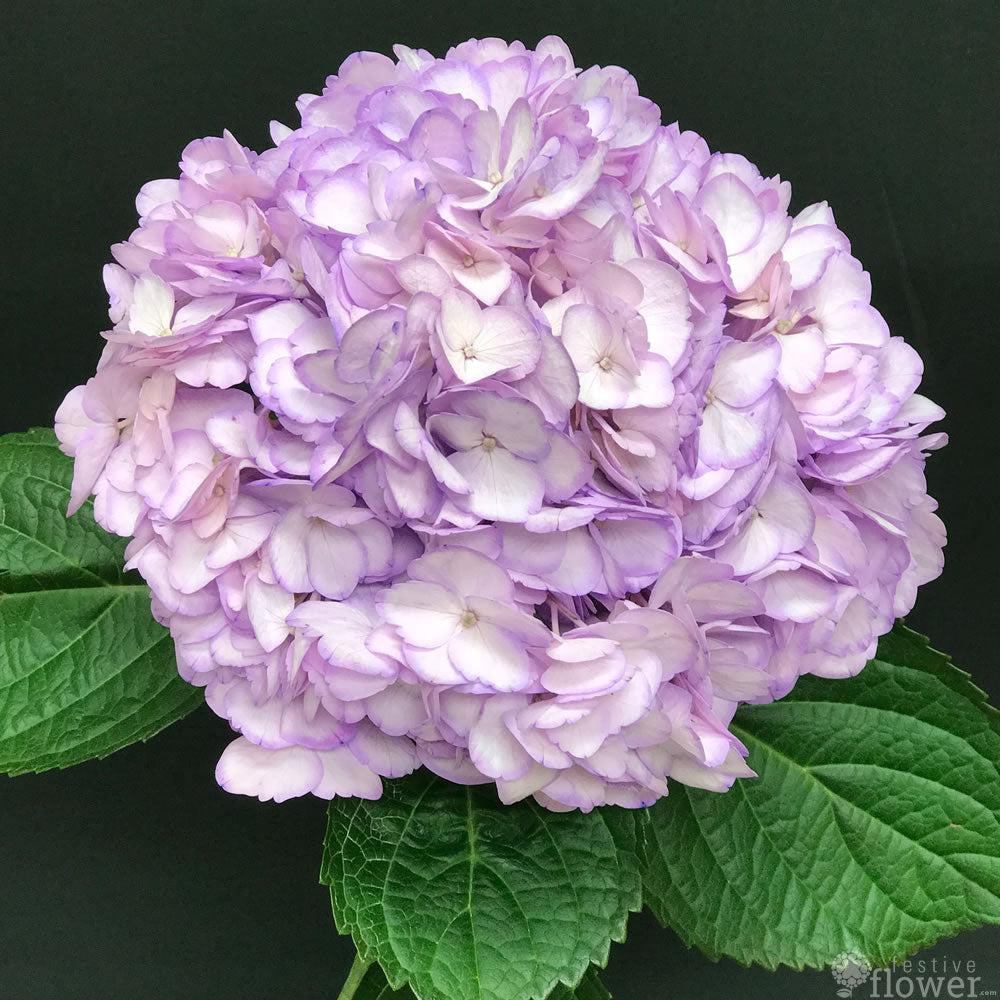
x: 849, y: 970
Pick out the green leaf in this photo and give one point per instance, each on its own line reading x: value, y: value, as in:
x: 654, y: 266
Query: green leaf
x: 467, y: 899
x: 874, y: 824
x: 589, y: 988
x: 84, y: 668
x: 41, y: 548
x: 375, y: 986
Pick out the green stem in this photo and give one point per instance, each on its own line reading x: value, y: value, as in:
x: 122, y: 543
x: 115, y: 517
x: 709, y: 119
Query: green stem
x: 354, y: 977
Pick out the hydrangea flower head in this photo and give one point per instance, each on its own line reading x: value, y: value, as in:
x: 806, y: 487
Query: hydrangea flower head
x: 487, y: 424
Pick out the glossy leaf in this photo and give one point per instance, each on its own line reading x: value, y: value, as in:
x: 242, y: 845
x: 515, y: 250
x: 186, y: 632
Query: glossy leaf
x: 84, y: 668
x: 467, y: 899
x: 873, y: 827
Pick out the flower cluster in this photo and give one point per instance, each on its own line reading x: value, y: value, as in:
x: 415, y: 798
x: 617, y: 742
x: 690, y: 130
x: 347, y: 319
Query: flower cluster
x: 487, y: 424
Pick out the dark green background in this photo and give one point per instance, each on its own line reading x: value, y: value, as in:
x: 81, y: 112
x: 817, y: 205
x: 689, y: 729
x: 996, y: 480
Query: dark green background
x: 137, y: 877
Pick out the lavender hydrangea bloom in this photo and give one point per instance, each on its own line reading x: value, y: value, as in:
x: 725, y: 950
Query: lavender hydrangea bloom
x: 489, y: 425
